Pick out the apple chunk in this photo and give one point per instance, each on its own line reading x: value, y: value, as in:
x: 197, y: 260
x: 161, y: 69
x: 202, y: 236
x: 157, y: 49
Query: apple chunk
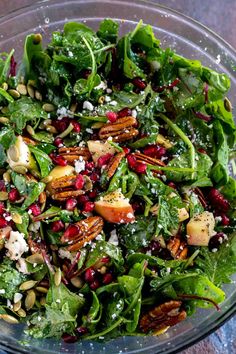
x: 115, y: 208
x: 98, y: 148
x: 200, y: 229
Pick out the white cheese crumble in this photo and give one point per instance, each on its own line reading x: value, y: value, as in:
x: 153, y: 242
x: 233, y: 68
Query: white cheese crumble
x: 21, y: 266
x: 113, y: 238
x: 2, y: 291
x: 102, y: 85
x: 65, y: 254
x: 88, y: 105
x: 134, y: 113
x: 16, y: 245
x: 17, y: 297
x: 107, y: 99
x: 130, y: 215
x: 79, y: 165
x: 63, y: 112
x: 35, y: 226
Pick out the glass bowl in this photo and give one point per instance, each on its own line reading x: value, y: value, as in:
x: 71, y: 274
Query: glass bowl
x: 188, y: 38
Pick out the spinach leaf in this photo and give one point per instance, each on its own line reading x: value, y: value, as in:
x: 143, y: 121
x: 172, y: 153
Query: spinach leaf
x: 5, y: 95
x: 23, y: 227
x: 154, y: 261
x: 43, y: 160
x: 19, y: 182
x: 3, y: 156
x: 108, y: 31
x: 94, y: 314
x: 10, y: 279
x: 5, y: 60
x: 220, y: 82
x: 7, y: 137
x: 25, y: 110
x: 229, y: 190
x: 34, y: 190
x: 103, y: 249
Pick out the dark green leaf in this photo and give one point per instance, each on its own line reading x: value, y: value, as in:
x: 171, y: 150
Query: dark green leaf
x: 43, y: 160
x: 7, y: 137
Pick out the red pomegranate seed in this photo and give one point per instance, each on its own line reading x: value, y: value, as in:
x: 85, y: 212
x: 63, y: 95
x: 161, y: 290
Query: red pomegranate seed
x: 61, y: 124
x: 68, y: 338
x: 94, y: 177
x: 79, y: 182
x: 172, y: 185
x: 57, y: 226
x: 2, y: 208
x: 88, y: 207
x: 77, y: 126
x: 103, y: 160
x: 218, y: 201
x: 132, y: 161
x: 140, y: 168
x: 71, y: 204
x: 81, y: 330
x: 3, y: 222
x: 137, y: 206
x: 13, y: 195
x: 2, y: 186
x: 139, y: 83
x: 58, y: 142
x: 94, y: 285
x: 124, y: 112
x: 12, y: 66
x: 202, y: 151
x: 105, y: 259
x: 59, y: 160
x: 89, y: 166
x: 107, y: 278
x: 71, y: 232
x: 112, y: 116
x: 217, y: 240
x: 85, y: 73
x: 93, y: 194
x: 89, y: 275
x: 35, y: 209
x: 126, y: 150
x: 224, y: 220
x: 154, y: 151
x: 83, y: 199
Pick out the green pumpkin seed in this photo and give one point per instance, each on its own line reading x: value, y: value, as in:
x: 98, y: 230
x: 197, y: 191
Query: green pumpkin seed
x: 7, y: 177
x: 103, y: 270
x: 20, y: 169
x: 48, y: 107
x: 5, y: 86
x: 101, y: 99
x: 30, y: 130
x: 42, y: 301
x: 41, y: 289
x: 17, y: 306
x: 4, y: 110
x: 3, y: 196
x: 4, y: 120
x: 35, y: 258
x: 21, y: 312
x: 29, y: 284
x: 77, y: 282
x: 13, y: 153
x: 30, y: 90
x: 57, y: 277
x: 22, y: 89
x: 9, y: 319
x: 17, y: 218
x: 227, y: 105
x: 14, y: 93
x: 51, y: 129
x: 30, y: 299
x: 37, y: 38
x: 38, y: 95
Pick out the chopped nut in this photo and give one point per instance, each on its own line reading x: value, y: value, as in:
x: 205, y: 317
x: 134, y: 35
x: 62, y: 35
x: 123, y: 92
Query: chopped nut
x: 121, y: 130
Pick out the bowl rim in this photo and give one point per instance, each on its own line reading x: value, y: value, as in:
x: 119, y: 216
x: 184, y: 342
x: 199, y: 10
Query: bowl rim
x: 227, y: 315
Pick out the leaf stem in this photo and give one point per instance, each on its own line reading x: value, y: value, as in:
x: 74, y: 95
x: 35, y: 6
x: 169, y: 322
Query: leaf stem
x: 167, y: 168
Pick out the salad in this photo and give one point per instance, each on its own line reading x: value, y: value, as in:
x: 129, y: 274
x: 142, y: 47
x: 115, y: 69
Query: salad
x: 117, y: 206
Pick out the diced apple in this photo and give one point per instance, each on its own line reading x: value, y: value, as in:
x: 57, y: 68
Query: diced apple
x: 19, y: 154
x: 61, y: 171
x: 115, y: 208
x: 98, y: 148
x: 183, y: 214
x: 200, y: 229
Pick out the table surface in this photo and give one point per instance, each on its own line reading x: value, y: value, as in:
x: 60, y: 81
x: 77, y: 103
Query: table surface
x: 220, y: 16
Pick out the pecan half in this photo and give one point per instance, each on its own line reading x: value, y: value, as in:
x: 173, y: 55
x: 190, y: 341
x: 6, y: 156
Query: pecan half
x: 178, y: 248
x: 71, y: 154
x: 113, y: 164
x: 64, y: 187
x: 163, y: 316
x: 121, y: 130
x: 147, y: 159
x: 88, y: 229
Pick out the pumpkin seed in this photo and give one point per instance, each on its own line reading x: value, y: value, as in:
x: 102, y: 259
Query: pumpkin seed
x: 51, y: 129
x: 227, y: 105
x: 103, y: 270
x: 7, y: 177
x: 47, y: 179
x: 29, y: 284
x: 3, y: 196
x: 55, y: 259
x: 22, y: 89
x: 35, y: 258
x: 30, y: 90
x: 13, y: 153
x: 17, y: 218
x: 17, y: 306
x: 4, y: 120
x: 5, y: 86
x: 101, y: 99
x: 20, y: 169
x: 57, y: 277
x: 14, y: 93
x: 4, y: 110
x: 41, y: 289
x: 97, y: 125
x: 42, y: 301
x: 46, y: 122
x: 9, y: 319
x: 77, y: 282
x: 37, y: 38
x: 48, y: 107
x: 38, y: 95
x: 30, y: 299
x: 21, y: 312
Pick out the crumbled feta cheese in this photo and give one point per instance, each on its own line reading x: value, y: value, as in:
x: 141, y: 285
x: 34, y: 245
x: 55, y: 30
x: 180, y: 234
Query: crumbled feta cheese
x: 134, y: 113
x: 88, y: 130
x: 218, y: 219
x: 102, y: 85
x: 113, y: 103
x: 113, y: 238
x: 35, y: 226
x: 16, y: 245
x: 65, y: 254
x: 8, y: 218
x: 2, y: 291
x: 21, y: 266
x: 17, y: 297
x: 130, y: 215
x: 79, y: 165
x: 63, y: 112
x: 109, y: 90
x: 107, y: 99
x: 88, y: 105
x: 70, y: 54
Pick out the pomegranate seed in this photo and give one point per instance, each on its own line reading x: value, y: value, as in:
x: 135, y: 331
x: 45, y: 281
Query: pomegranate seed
x: 94, y: 177
x: 140, y: 168
x: 12, y: 66
x: 77, y: 126
x: 107, y: 278
x: 71, y: 232
x: 89, y: 166
x: 202, y: 151
x: 217, y: 240
x: 154, y: 151
x: 124, y: 112
x: 172, y: 185
x: 79, y: 182
x: 154, y: 246
x: 93, y: 194
x: 218, y: 201
x: 3, y: 222
x: 111, y: 116
x: 132, y: 161
x: 88, y: 207
x: 69, y: 338
x: 89, y: 275
x: 2, y: 186
x: 81, y: 330
x: 35, y: 209
x: 85, y: 73
x: 126, y: 150
x: 83, y: 199
x: 137, y: 207
x: 71, y: 204
x: 58, y: 160
x: 58, y: 142
x: 2, y: 208
x: 103, y: 160
x: 224, y: 220
x: 105, y: 259
x: 139, y: 83
x: 61, y: 124
x: 13, y: 195
x: 94, y: 285
x: 57, y: 226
